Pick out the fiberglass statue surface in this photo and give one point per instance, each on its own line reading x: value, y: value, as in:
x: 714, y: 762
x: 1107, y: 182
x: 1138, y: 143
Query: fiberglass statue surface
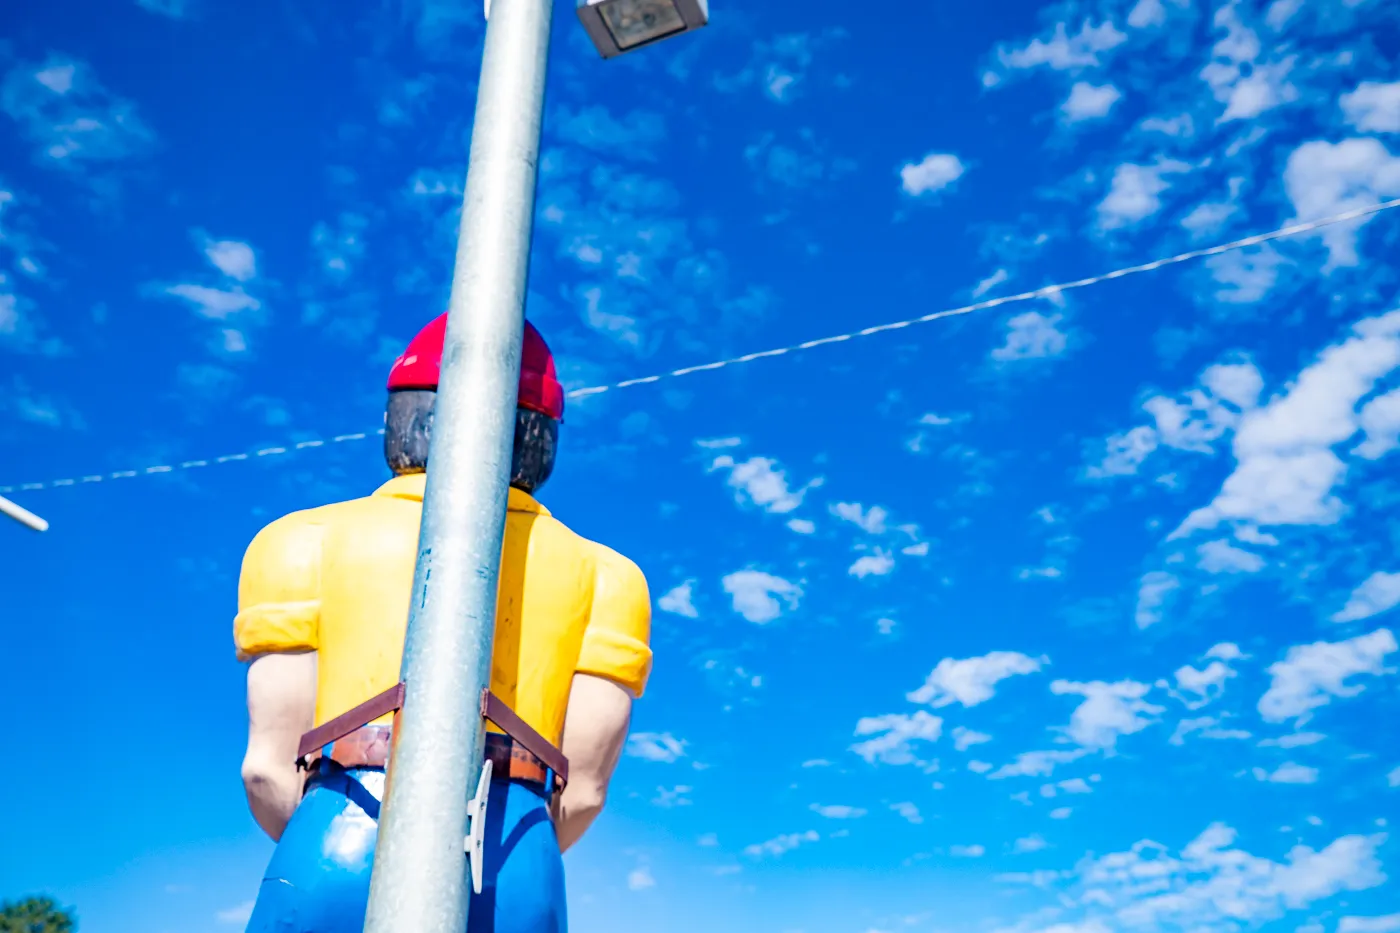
x: 322, y: 611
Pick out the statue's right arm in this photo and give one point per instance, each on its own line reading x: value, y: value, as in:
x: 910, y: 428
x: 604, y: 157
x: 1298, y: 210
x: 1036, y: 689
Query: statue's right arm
x: 281, y: 707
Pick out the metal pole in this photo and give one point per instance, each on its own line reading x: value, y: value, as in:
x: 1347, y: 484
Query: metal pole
x: 22, y: 515
x: 419, y: 883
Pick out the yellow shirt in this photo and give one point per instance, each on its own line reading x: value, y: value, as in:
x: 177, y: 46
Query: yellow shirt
x: 337, y: 579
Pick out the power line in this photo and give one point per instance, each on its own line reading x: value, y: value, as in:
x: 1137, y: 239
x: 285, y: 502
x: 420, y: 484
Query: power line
x: 1045, y: 292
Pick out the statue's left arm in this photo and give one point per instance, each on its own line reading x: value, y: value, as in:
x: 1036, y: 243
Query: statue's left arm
x: 612, y: 671
x: 277, y: 631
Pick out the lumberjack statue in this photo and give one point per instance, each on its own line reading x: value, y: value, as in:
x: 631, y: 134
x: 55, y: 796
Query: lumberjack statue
x: 322, y: 610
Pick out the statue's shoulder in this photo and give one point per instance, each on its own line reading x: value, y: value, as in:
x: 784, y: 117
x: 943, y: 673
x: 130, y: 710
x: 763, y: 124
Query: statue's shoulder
x: 612, y: 568
x: 298, y: 534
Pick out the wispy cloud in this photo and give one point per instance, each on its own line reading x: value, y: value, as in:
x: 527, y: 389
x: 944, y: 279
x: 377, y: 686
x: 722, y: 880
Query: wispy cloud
x: 69, y: 117
x: 655, y: 746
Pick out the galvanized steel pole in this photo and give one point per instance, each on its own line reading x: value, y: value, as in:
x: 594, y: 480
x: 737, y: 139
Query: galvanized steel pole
x: 420, y: 880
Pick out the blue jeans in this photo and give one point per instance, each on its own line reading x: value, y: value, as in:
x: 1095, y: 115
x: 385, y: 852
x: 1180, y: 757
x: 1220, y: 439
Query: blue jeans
x: 318, y: 879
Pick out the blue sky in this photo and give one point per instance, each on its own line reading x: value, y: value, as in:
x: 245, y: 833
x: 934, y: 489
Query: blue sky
x: 1068, y: 616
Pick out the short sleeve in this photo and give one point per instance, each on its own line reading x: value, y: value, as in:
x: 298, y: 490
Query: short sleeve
x: 615, y: 644
x: 279, y: 589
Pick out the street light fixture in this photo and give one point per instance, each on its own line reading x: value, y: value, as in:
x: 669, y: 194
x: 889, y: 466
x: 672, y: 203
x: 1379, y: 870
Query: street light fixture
x: 22, y: 515
x: 618, y: 26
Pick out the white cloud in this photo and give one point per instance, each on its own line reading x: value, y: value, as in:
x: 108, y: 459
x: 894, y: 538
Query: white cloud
x: 1063, y: 52
x: 1147, y: 13
x: 1373, y: 107
x: 1287, y: 773
x: 718, y: 443
x: 1125, y: 452
x: 668, y: 797
x: 1031, y: 843
x: 1309, y: 676
x: 236, y: 915
x: 1246, y: 276
x: 871, y: 521
x: 1211, y: 885
x: 760, y: 597
x: 979, y: 767
x: 1136, y: 193
x: 1203, y: 685
x: 971, y: 681
x: 1293, y: 740
x: 1226, y: 651
x: 761, y: 481
x: 1245, y: 85
x: 964, y: 738
x: 214, y: 303
x: 234, y: 259
x: 1393, y: 778
x: 678, y: 601
x: 937, y: 171
x: 1180, y: 126
x: 984, y: 286
x: 1208, y: 727
x: 781, y: 844
x: 1061, y: 813
x: 1202, y: 415
x: 1380, y: 419
x: 894, y: 733
x: 909, y: 811
x: 1238, y: 383
x: 1286, y: 469
x: 1036, y: 764
x: 1089, y: 101
x: 175, y: 9
x: 1032, y: 335
x: 1109, y: 710
x: 70, y: 118
x: 1324, y: 178
x: 972, y: 851
x: 838, y: 812
x: 1154, y: 589
x: 1223, y: 557
x: 1209, y: 216
x: 878, y: 564
x: 1379, y: 593
x: 1390, y: 923
x: 802, y: 526
x: 639, y: 879
x: 655, y: 746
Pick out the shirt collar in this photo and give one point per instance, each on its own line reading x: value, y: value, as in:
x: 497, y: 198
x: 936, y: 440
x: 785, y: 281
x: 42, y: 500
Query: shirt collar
x: 412, y: 485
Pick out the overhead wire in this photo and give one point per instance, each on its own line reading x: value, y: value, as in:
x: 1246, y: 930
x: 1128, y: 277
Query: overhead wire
x: 1045, y: 292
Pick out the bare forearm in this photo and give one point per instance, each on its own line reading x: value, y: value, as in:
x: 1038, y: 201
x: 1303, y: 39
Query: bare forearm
x: 574, y: 812
x: 281, y: 703
x: 595, y: 729
x: 273, y: 794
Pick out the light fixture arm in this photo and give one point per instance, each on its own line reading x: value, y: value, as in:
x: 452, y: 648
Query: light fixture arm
x: 22, y: 515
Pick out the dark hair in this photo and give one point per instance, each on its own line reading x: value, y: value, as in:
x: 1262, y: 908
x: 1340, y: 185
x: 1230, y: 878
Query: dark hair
x: 408, y: 424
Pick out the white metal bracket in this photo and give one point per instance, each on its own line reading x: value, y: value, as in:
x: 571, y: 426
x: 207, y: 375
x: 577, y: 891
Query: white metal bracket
x: 476, y: 833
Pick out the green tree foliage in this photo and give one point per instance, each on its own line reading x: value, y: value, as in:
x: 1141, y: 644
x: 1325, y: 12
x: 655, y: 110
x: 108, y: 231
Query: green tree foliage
x: 36, y: 915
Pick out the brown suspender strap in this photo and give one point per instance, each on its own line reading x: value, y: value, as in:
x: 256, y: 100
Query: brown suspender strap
x: 518, y: 729
x: 391, y: 701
